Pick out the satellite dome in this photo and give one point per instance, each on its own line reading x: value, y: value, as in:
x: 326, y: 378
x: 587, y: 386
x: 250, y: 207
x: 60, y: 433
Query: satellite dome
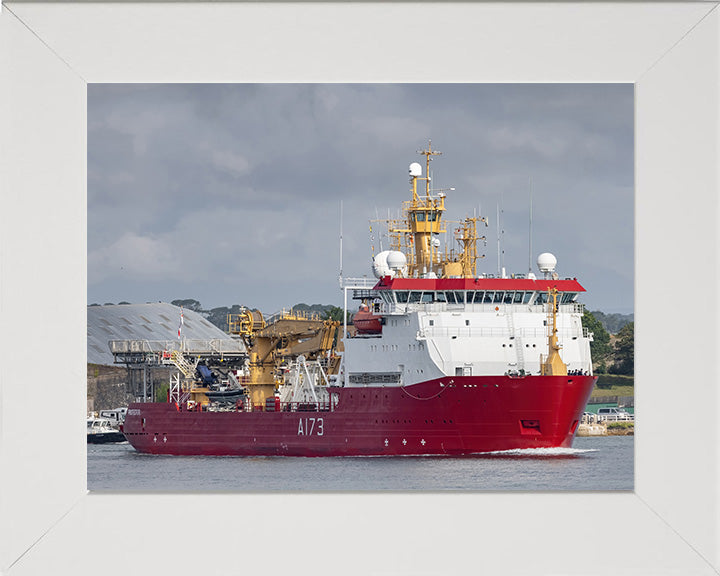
x: 396, y: 260
x: 380, y: 265
x: 546, y: 262
x: 415, y: 169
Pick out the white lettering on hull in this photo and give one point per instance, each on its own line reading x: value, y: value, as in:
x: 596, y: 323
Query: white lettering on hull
x: 310, y: 426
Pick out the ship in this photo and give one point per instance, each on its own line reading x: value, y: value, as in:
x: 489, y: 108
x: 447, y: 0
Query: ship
x: 437, y: 360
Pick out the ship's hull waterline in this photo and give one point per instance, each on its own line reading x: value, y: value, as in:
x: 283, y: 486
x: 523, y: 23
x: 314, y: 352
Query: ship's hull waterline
x: 456, y: 416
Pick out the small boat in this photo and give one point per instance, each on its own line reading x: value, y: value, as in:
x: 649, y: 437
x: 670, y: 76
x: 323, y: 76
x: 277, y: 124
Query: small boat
x: 366, y: 322
x: 101, y: 431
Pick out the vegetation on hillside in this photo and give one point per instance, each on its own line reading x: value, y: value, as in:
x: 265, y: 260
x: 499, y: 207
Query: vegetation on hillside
x: 611, y: 354
x: 218, y: 316
x: 624, y: 348
x: 613, y: 323
x: 600, y: 348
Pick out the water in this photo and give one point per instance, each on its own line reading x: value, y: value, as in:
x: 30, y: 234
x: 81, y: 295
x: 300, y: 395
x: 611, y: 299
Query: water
x: 595, y: 463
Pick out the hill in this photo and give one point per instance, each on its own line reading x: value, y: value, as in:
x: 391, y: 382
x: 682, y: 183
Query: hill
x: 218, y: 316
x: 613, y: 323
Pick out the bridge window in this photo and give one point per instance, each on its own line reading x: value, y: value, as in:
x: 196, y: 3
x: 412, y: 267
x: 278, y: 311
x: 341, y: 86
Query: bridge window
x: 414, y: 297
x: 568, y: 297
x: 402, y: 297
x: 427, y: 297
x: 508, y: 297
x: 440, y: 297
x: 420, y: 216
x: 518, y: 297
x: 489, y: 297
x: 526, y: 297
x: 498, y: 297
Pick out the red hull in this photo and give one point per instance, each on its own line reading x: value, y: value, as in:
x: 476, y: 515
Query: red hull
x: 452, y: 416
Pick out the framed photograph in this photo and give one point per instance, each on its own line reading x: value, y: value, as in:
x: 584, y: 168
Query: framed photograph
x: 50, y: 52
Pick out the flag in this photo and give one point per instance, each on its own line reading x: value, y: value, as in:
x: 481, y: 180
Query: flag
x: 182, y: 321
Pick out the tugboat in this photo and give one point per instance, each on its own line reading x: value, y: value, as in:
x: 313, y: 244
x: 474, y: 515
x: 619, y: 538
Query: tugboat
x: 441, y: 361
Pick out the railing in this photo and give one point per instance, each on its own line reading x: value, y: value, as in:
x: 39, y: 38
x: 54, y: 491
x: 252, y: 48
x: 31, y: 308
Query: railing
x: 186, y: 346
x: 595, y: 418
x: 403, y: 308
x: 475, y: 332
x: 363, y: 282
x: 248, y: 406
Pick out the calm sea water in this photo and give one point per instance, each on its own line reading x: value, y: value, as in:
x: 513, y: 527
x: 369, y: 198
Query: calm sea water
x: 601, y: 463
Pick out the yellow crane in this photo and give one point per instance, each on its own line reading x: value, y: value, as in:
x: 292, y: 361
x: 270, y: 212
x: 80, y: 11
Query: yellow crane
x: 283, y: 337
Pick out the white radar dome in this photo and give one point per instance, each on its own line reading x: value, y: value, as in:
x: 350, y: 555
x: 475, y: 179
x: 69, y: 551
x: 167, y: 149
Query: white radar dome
x: 415, y: 169
x: 546, y: 262
x: 396, y: 260
x: 380, y: 265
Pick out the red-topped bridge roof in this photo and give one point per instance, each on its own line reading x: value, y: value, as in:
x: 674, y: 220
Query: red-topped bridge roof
x: 541, y: 284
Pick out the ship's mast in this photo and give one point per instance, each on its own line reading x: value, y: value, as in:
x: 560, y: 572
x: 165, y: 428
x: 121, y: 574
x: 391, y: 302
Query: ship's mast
x: 553, y: 364
x: 416, y: 234
x: 425, y: 217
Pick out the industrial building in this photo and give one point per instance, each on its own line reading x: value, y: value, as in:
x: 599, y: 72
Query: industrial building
x: 126, y: 345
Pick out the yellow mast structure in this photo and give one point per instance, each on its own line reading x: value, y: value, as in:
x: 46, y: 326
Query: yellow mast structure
x: 414, y: 235
x: 553, y: 364
x: 424, y: 218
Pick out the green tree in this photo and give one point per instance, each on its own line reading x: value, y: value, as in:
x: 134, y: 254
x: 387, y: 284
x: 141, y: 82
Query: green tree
x: 189, y: 303
x: 333, y: 313
x: 161, y: 391
x: 600, y: 346
x: 625, y: 350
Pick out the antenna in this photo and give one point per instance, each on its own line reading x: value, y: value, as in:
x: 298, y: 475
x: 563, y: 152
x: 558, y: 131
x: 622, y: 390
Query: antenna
x: 340, y: 278
x: 377, y: 217
x: 530, y: 233
x: 498, y: 237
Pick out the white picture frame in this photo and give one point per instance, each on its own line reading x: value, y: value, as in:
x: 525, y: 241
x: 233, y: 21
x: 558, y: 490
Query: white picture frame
x: 48, y: 520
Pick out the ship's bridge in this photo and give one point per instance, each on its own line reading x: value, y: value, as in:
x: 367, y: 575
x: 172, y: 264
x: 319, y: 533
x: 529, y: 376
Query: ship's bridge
x: 397, y: 293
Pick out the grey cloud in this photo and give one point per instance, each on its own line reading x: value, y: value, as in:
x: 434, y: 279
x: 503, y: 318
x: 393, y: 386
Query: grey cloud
x: 244, y: 182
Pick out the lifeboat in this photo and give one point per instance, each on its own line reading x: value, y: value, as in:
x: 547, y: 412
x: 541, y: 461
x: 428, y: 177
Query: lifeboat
x: 366, y: 322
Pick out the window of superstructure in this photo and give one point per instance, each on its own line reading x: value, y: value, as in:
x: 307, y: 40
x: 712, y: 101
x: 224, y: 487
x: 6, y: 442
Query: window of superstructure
x: 478, y: 297
x: 498, y: 297
x: 518, y: 297
x: 568, y: 297
x: 460, y: 297
x: 402, y: 297
x: 541, y: 298
x: 387, y: 297
x: 488, y: 297
x: 526, y: 297
x: 427, y: 297
x: 432, y: 216
x: 414, y: 297
x: 420, y: 216
x: 508, y: 297
x: 440, y: 297
x: 450, y: 297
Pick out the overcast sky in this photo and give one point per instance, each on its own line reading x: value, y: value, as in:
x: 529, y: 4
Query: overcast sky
x: 230, y: 194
